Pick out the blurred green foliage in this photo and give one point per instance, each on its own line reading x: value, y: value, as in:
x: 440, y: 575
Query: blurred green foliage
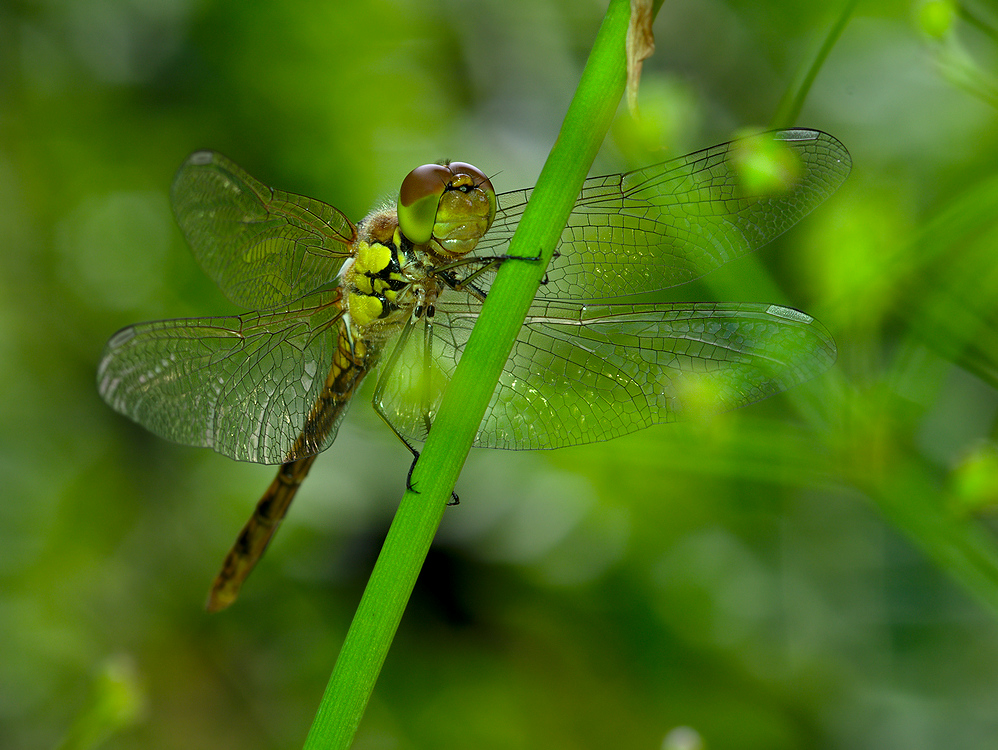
x: 814, y: 571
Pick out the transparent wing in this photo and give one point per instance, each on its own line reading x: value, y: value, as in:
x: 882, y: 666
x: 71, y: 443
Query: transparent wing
x: 674, y: 222
x: 583, y: 373
x: 243, y: 386
x: 262, y: 247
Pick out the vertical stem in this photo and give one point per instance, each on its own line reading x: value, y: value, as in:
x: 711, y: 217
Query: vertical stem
x: 419, y: 514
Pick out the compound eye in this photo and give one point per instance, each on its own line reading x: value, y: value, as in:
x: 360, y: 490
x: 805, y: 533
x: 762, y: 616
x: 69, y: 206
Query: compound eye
x: 419, y: 197
x: 477, y: 176
x: 479, y: 181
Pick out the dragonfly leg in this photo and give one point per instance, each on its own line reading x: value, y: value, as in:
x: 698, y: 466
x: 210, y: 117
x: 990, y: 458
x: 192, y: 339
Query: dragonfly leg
x: 493, y: 261
x: 557, y: 254
x: 485, y: 263
x: 530, y: 259
x: 388, y: 370
x: 454, y: 499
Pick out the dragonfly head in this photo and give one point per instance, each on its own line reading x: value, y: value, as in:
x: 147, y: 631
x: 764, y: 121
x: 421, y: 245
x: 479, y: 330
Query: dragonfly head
x: 453, y: 205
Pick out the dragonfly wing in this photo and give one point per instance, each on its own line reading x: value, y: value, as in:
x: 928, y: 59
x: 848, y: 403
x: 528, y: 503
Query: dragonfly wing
x: 240, y: 385
x: 417, y: 369
x: 262, y: 247
x: 674, y: 222
x: 580, y: 374
x: 585, y: 373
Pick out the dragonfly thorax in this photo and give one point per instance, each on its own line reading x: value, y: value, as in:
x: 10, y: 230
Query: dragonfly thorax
x: 442, y: 213
x: 376, y: 289
x: 389, y: 279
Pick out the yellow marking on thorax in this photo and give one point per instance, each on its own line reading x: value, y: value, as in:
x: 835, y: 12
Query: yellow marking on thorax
x: 365, y: 308
x: 372, y: 258
x: 372, y: 288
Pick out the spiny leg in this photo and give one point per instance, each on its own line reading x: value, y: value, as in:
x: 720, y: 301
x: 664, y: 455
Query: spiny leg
x: 386, y: 374
x: 485, y: 263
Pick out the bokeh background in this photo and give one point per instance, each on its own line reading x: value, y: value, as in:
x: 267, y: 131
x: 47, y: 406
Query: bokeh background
x: 816, y: 571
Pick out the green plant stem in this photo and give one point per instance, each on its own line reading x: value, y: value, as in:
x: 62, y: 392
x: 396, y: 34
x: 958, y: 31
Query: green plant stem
x: 419, y: 514
x: 789, y: 109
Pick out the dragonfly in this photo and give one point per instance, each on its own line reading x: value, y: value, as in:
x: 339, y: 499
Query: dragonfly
x: 399, y: 292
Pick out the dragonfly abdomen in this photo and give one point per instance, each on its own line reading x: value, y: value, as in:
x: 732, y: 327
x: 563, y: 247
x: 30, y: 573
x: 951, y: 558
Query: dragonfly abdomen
x: 351, y: 362
x: 257, y: 533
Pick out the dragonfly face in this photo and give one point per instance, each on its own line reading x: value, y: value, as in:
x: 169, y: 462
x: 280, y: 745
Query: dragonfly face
x: 453, y: 205
x: 332, y: 300
x: 442, y: 213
